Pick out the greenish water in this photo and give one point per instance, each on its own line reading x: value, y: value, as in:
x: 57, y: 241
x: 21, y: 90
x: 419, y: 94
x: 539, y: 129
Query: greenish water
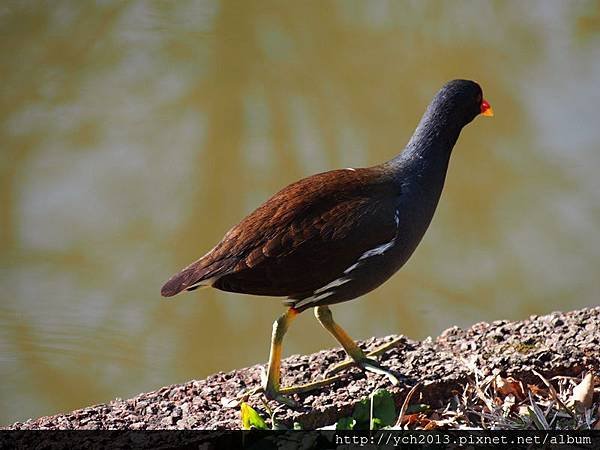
x: 134, y: 134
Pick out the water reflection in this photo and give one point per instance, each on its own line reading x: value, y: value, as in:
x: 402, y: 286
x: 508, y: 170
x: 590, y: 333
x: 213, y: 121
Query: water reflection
x: 134, y: 134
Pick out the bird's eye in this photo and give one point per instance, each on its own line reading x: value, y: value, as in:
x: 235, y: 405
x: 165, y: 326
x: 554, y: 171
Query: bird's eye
x: 478, y: 98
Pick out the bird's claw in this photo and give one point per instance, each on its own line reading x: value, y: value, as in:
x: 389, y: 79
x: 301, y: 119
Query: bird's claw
x: 366, y: 364
x: 269, y: 392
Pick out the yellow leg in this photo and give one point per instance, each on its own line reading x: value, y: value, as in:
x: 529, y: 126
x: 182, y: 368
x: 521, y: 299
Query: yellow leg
x: 280, y: 327
x: 324, y: 316
x: 271, y: 380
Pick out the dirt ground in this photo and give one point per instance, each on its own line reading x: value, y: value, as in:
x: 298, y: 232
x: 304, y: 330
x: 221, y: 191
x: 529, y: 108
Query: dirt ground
x: 554, y: 344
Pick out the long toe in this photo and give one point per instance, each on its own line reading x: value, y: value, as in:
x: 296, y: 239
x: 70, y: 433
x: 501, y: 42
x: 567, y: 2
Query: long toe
x: 374, y: 366
x: 283, y: 399
x: 363, y: 363
x: 369, y: 359
x: 367, y: 364
x: 282, y: 395
x: 336, y: 368
x: 242, y: 396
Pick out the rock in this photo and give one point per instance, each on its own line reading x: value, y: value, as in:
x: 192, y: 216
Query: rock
x: 167, y: 421
x: 177, y: 413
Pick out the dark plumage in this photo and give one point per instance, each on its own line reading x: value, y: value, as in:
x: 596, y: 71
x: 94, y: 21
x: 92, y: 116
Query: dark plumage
x: 308, y: 234
x: 337, y: 235
x: 304, y: 237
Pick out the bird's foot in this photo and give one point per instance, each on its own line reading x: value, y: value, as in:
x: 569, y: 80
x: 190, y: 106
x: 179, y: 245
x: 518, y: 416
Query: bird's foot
x: 368, y: 363
x: 269, y: 389
x: 281, y: 395
x: 277, y: 395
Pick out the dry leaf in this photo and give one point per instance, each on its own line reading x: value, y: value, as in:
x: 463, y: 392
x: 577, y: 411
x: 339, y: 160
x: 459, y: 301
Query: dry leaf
x: 409, y: 419
x: 431, y: 425
x: 583, y: 392
x: 508, y: 386
x: 536, y: 390
x: 415, y: 419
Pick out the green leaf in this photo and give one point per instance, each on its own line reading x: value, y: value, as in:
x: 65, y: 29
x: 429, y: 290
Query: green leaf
x: 376, y: 424
x: 361, y: 414
x: 384, y: 411
x: 345, y: 423
x: 297, y: 426
x: 384, y: 408
x: 251, y: 418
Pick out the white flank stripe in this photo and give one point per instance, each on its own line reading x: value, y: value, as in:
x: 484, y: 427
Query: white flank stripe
x: 377, y: 250
x: 329, y: 289
x: 374, y: 251
x: 322, y: 292
x: 351, y: 268
x: 312, y: 299
x: 333, y: 284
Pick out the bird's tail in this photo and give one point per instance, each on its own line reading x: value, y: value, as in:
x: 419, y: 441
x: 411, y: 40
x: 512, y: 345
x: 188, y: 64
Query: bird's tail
x: 186, y: 280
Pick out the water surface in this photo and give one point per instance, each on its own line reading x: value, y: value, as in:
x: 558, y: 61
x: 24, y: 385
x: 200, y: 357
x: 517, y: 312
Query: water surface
x: 134, y: 134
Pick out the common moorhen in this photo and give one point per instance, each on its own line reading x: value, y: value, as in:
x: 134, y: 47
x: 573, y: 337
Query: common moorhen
x: 335, y: 236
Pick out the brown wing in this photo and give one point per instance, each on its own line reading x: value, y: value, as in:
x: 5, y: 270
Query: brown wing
x: 303, y: 237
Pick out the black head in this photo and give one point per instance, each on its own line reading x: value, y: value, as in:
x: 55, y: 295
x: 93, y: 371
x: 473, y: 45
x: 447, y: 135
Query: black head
x: 459, y: 102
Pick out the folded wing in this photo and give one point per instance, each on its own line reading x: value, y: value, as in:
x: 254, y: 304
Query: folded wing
x: 299, y: 240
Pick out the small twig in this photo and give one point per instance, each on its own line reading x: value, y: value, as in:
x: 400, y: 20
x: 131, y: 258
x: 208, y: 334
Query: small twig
x: 406, y: 403
x: 483, y: 398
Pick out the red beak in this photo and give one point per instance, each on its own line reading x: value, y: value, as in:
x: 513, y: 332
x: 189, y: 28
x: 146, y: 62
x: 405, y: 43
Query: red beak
x: 486, y: 109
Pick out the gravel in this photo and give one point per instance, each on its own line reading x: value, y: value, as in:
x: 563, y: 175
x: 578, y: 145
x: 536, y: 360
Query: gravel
x: 554, y: 344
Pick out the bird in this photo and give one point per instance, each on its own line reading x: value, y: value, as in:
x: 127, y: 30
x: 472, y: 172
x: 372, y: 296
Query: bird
x: 335, y: 236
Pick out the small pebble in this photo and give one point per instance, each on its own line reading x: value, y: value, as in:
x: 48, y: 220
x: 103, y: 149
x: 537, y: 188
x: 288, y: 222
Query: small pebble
x: 167, y: 421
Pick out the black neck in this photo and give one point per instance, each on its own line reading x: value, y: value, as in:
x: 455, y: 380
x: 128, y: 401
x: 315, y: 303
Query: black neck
x: 429, y: 149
